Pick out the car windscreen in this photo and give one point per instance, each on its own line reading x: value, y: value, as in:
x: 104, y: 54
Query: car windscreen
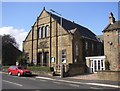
x: 20, y: 68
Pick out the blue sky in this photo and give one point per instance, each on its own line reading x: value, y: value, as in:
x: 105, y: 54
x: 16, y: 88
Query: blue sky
x: 91, y: 15
x: 18, y: 17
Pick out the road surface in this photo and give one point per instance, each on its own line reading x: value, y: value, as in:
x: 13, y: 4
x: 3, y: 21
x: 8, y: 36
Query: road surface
x: 38, y: 83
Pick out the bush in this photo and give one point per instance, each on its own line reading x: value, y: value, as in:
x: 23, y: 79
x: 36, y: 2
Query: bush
x: 40, y: 68
x: 22, y: 60
x: 4, y: 68
x: 107, y: 65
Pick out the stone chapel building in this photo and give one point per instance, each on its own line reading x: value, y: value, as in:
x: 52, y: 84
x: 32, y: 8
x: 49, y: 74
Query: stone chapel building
x: 44, y: 42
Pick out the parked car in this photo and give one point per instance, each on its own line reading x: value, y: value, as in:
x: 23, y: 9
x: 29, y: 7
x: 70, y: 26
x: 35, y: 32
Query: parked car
x: 19, y: 71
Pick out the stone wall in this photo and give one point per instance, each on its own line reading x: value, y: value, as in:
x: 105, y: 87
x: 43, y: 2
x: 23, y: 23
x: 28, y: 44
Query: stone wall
x: 111, y: 48
x: 76, y: 69
x: 109, y: 75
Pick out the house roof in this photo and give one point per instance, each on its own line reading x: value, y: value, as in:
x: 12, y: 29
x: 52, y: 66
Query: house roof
x: 69, y: 26
x: 115, y: 25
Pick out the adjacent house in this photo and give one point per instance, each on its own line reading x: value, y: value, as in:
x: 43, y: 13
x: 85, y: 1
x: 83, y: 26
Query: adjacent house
x: 10, y: 54
x: 112, y: 43
x: 49, y: 43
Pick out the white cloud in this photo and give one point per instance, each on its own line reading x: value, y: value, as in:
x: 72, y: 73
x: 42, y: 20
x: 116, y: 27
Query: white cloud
x: 18, y: 34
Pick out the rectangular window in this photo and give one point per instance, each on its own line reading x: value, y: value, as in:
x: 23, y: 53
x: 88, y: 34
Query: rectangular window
x: 63, y: 56
x: 92, y: 49
x: 77, y: 49
x: 86, y: 45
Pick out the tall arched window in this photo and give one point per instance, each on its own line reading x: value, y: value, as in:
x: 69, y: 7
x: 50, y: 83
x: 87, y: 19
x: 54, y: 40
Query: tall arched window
x: 43, y: 32
x: 39, y: 33
x: 47, y: 31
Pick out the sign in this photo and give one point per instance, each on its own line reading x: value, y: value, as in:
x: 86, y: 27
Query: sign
x: 34, y: 61
x: 52, y: 59
x: 17, y: 63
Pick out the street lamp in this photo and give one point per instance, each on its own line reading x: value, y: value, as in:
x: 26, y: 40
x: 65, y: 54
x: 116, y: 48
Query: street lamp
x: 61, y: 65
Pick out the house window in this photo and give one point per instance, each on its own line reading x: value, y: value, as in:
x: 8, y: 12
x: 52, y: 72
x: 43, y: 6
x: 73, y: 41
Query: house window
x: 39, y: 33
x: 42, y: 32
x: 86, y: 45
x: 47, y: 31
x: 119, y: 36
x: 76, y: 46
x: 63, y: 56
x: 92, y: 49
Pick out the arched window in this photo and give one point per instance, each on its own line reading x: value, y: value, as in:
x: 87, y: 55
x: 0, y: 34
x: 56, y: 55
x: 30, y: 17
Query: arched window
x: 47, y: 31
x: 42, y: 32
x: 39, y: 33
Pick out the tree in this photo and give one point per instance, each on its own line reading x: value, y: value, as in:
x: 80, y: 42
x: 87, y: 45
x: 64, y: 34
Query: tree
x: 22, y: 60
x: 10, y: 51
x: 8, y: 39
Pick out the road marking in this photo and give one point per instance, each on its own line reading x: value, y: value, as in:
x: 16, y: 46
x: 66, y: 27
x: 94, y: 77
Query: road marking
x: 57, y: 82
x: 45, y: 78
x: 3, y: 73
x: 94, y: 88
x: 74, y: 85
x: 12, y: 83
x: 95, y: 84
x: 23, y: 77
x: 32, y: 78
x: 104, y: 85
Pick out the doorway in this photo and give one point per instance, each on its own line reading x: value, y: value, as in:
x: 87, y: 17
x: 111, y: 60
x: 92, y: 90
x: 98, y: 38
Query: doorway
x: 46, y: 59
x: 97, y: 65
x: 39, y: 60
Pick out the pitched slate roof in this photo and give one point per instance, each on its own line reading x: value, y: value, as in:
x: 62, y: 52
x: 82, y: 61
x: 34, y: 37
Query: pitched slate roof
x: 69, y: 25
x: 115, y: 25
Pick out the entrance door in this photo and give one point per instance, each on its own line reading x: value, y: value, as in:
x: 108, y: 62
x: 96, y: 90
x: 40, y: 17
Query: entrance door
x: 96, y: 65
x: 46, y: 59
x: 39, y: 61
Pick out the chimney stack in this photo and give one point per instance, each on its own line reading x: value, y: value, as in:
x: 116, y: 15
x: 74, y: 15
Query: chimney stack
x: 111, y: 18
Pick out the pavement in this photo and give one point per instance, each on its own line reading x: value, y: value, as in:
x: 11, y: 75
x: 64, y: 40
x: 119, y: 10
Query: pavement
x: 85, y: 78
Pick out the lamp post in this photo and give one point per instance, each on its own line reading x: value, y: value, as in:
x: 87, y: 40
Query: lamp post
x: 61, y: 65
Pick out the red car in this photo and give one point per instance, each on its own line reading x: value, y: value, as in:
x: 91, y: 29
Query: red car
x: 19, y: 71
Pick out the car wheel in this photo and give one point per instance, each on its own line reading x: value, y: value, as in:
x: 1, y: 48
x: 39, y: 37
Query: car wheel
x: 19, y: 74
x: 10, y: 73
